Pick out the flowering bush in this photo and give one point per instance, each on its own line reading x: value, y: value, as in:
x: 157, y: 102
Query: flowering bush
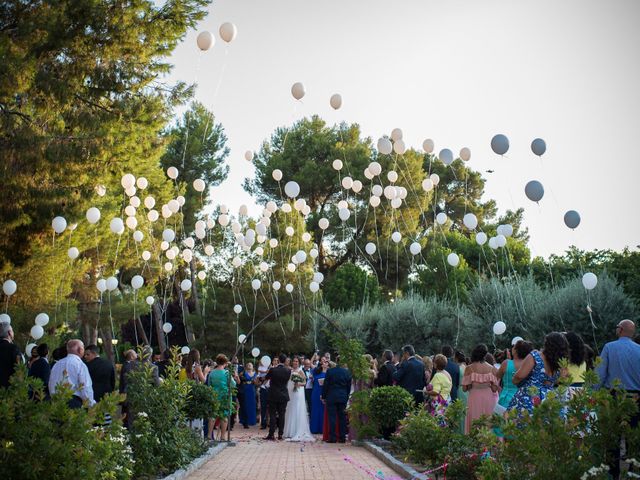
x: 161, y: 439
x: 45, y: 439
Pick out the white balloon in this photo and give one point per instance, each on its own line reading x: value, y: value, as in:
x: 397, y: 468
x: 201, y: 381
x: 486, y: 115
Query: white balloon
x: 286, y: 208
x: 396, y: 237
x: 168, y: 266
x: 446, y: 156
x: 277, y: 174
x: 289, y: 288
x: 357, y: 186
x: 73, y: 253
x: 142, y: 183
x: 370, y: 248
x: 189, y: 242
x: 301, y: 256
x: 276, y: 285
x: 313, y: 253
x: 185, y: 285
x: 368, y: 175
x: 4, y: 318
x: 465, y: 154
x: 374, y: 201
x: 292, y: 189
x: 134, y: 201
x: 167, y: 327
x: 130, y: 192
x: 589, y: 281
x: 377, y: 190
x: 172, y: 173
x: 93, y: 215
x: 298, y: 90
x: 453, y: 259
x: 375, y: 168
x: 428, y: 145
x: 399, y: 147
x: 29, y: 349
x: 415, y: 248
x: 273, y: 243
x: 335, y: 101
x: 42, y: 319
x: 265, y: 361
x: 507, y: 230
x: 117, y: 226
x: 470, y: 221
x: 224, y: 209
x: 390, y: 192
x: 396, y: 203
x: 344, y: 214
x: 441, y: 218
x: 130, y: 211
x: 168, y: 235
x: 289, y: 231
x: 396, y: 134
x: 255, y: 351
x: 291, y: 267
x: 242, y: 338
x: 153, y: 216
x: 208, y: 250
x: 392, y: 176
x: 137, y: 281
x: 499, y: 328
x: 306, y: 237
x: 101, y: 285
x: 112, y: 283
x: 314, y: 287
x: 205, y: 41
x: 223, y: 219
x: 237, y: 309
x: 385, y: 146
x: 435, y: 178
x: 146, y: 255
x: 59, y: 224
x: 171, y: 254
x: 501, y: 240
x: 347, y: 183
x: 127, y: 181
x: 199, y: 185
x: 37, y: 332
x: 493, y: 243
x: 318, y: 277
x: 185, y: 350
x: 132, y: 222
x: 166, y: 213
x: 150, y: 300
x: 256, y: 284
x: 481, y: 238
x: 101, y: 190
x: 228, y: 32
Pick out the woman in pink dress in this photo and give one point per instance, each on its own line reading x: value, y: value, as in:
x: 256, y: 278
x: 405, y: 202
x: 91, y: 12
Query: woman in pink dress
x: 481, y: 383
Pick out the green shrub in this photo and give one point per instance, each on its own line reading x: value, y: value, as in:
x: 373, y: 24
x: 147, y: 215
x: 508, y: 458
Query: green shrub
x: 161, y: 439
x: 47, y: 439
x: 389, y: 405
x: 202, y: 402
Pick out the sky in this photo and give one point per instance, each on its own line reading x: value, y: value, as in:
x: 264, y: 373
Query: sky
x: 458, y: 72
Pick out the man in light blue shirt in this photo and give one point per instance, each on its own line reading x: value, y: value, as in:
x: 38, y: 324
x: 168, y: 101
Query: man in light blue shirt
x: 72, y: 371
x: 621, y: 364
x: 621, y: 360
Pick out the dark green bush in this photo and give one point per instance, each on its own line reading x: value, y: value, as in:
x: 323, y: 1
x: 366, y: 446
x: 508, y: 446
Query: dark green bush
x: 389, y: 405
x: 202, y: 402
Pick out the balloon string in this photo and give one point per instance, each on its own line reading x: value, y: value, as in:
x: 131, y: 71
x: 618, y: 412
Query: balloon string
x: 135, y: 320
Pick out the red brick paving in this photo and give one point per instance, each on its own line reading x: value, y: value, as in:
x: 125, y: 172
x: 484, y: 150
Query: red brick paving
x: 255, y: 459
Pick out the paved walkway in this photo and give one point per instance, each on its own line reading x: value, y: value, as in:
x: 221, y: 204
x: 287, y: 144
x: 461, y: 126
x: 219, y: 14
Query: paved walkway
x: 256, y: 459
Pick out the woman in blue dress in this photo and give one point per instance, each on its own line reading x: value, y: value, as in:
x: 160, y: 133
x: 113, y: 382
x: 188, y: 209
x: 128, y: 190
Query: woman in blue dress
x: 317, y: 407
x: 248, y: 396
x: 539, y: 373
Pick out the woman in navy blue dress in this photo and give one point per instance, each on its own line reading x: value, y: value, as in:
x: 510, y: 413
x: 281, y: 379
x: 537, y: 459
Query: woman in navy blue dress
x: 248, y: 404
x: 317, y: 407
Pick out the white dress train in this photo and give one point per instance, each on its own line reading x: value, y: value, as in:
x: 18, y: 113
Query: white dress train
x: 296, y: 419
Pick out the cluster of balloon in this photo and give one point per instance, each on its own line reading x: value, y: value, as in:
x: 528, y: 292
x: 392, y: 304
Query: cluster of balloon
x: 205, y: 40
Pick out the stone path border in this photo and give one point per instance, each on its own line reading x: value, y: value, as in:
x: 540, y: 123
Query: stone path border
x: 392, y: 462
x: 198, y: 462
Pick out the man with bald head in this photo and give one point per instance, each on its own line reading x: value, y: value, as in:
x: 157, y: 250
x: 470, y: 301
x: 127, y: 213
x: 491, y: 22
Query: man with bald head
x: 621, y: 364
x: 72, y: 371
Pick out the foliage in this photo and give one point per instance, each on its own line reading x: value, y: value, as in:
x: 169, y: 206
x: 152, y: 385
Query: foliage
x: 350, y: 287
x: 359, y: 410
x: 389, y: 405
x: 351, y: 354
x: 46, y: 439
x: 565, y: 445
x: 161, y: 440
x: 197, y: 147
x: 202, y: 402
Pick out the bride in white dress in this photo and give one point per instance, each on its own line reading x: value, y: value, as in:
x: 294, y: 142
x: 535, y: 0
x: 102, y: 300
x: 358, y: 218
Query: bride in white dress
x: 296, y: 420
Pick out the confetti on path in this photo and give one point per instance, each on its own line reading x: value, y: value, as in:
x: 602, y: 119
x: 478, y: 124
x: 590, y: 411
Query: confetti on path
x: 253, y: 458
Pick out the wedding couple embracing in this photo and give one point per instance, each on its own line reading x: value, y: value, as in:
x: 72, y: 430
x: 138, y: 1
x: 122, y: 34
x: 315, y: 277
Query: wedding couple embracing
x: 287, y: 403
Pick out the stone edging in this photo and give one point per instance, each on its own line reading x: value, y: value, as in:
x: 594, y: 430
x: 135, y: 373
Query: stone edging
x: 393, y: 463
x: 197, y: 463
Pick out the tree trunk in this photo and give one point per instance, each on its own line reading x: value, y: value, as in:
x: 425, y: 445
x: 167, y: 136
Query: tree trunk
x: 141, y: 331
x: 156, y: 318
x: 107, y: 343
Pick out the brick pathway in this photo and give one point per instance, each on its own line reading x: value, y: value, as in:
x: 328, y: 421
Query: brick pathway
x: 255, y: 459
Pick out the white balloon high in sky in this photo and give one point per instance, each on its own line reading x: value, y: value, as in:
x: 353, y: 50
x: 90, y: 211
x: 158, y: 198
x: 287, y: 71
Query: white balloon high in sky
x: 526, y: 85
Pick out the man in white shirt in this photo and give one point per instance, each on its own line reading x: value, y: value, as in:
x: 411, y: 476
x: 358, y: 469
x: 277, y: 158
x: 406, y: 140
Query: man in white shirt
x: 72, y: 371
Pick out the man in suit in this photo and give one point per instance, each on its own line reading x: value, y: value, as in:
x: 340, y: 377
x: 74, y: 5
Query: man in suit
x: 103, y: 375
x: 335, y: 394
x: 453, y: 369
x: 40, y: 368
x: 410, y: 374
x: 385, y: 375
x: 278, y: 396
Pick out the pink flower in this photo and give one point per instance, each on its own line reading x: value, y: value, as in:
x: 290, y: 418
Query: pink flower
x: 536, y: 401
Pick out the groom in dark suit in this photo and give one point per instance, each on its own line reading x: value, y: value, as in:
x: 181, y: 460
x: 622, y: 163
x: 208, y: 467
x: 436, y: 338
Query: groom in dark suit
x: 335, y: 394
x: 278, y: 396
x: 410, y: 374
